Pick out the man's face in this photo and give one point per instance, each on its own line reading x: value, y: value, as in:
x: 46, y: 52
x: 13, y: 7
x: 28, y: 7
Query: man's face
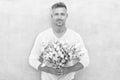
x: 59, y: 16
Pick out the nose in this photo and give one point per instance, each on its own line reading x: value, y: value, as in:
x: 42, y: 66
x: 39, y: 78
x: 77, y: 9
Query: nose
x: 59, y: 16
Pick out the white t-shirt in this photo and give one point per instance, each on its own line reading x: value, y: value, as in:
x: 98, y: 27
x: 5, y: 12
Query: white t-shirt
x: 70, y: 37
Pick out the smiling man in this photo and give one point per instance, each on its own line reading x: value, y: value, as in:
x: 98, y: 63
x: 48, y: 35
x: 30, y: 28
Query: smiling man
x: 58, y: 32
x: 59, y: 16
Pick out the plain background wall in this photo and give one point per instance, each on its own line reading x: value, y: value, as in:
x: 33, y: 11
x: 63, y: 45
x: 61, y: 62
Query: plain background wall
x: 98, y: 22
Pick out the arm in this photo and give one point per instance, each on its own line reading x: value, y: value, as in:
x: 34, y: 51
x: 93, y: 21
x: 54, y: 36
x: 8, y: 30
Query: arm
x: 35, y: 63
x: 82, y: 61
x: 34, y: 59
x: 35, y: 53
x: 78, y: 66
x: 84, y: 58
x: 49, y: 70
x: 81, y: 64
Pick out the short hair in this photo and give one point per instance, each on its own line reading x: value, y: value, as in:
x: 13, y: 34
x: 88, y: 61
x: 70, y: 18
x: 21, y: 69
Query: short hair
x: 59, y: 4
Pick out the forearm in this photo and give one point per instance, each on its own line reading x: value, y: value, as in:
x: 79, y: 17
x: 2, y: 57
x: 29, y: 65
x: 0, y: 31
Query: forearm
x: 45, y: 69
x: 76, y: 67
x: 49, y: 70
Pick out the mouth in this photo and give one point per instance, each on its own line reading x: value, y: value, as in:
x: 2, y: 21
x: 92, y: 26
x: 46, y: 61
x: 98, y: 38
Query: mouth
x: 59, y: 22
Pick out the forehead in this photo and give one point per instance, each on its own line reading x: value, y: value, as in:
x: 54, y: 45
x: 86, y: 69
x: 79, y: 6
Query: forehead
x: 59, y: 10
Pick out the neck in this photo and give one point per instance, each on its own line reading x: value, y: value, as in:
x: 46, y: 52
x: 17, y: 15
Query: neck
x: 59, y: 29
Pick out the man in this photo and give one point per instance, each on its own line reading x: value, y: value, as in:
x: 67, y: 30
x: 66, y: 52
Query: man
x: 58, y: 32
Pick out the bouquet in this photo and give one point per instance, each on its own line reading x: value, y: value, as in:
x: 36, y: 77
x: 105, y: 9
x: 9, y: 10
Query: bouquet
x: 58, y: 55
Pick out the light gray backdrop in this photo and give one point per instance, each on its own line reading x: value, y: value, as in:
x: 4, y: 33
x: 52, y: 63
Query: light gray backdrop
x: 98, y: 22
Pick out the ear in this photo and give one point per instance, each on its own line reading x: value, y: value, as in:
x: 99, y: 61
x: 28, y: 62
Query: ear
x: 51, y: 15
x: 67, y: 14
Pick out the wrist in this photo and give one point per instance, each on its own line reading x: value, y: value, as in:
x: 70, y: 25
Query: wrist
x: 45, y: 68
x: 76, y: 67
x: 70, y: 68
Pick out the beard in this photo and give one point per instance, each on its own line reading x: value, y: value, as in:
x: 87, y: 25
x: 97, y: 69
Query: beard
x: 59, y: 22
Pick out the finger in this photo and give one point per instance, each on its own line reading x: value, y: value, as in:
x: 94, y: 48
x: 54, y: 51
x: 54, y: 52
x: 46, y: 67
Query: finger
x: 60, y: 73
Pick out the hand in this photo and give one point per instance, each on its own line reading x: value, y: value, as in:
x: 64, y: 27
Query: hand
x: 60, y: 71
x: 65, y: 70
x: 54, y: 71
x: 40, y: 59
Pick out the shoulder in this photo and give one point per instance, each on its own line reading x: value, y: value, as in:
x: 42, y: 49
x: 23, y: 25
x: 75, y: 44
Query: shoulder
x: 75, y: 36
x: 74, y: 33
x: 44, y: 33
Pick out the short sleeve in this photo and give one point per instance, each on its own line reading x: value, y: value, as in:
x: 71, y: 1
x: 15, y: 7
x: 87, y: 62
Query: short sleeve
x: 84, y: 58
x: 35, y: 53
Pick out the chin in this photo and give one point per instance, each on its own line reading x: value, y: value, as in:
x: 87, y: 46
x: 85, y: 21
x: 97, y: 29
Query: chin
x: 59, y: 25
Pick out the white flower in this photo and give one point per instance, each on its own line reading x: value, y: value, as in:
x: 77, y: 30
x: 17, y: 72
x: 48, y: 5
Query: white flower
x: 59, y: 53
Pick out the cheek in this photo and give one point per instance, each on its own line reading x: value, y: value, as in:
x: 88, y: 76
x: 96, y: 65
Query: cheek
x: 54, y: 18
x: 64, y: 17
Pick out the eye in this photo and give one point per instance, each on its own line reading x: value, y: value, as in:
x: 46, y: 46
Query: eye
x: 56, y: 14
x: 63, y: 14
